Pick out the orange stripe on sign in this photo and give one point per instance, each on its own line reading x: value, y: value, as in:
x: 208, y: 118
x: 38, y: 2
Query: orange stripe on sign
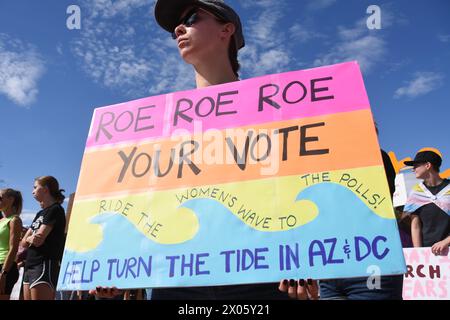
x: 294, y: 147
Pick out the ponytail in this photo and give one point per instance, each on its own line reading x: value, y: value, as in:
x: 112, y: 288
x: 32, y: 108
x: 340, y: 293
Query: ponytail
x: 59, y: 196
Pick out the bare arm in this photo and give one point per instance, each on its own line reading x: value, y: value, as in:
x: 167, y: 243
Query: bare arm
x: 41, y: 234
x: 24, y: 243
x: 447, y: 241
x: 15, y: 228
x: 416, y: 230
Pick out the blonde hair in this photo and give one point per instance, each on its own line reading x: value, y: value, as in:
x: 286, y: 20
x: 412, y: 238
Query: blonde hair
x: 18, y: 200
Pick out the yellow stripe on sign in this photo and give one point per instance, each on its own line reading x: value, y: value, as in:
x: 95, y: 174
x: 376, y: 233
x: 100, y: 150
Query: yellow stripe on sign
x: 266, y: 204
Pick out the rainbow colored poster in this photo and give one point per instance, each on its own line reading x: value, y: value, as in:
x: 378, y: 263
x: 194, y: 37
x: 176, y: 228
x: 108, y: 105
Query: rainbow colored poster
x: 259, y: 180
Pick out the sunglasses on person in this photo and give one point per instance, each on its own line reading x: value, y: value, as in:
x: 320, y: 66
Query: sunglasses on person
x: 419, y: 164
x: 191, y: 18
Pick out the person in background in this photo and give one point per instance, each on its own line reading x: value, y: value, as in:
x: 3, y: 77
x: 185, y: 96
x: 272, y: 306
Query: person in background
x: 391, y: 287
x: 10, y: 229
x: 404, y: 227
x: 45, y: 241
x: 429, y: 204
x: 22, y: 251
x: 20, y: 260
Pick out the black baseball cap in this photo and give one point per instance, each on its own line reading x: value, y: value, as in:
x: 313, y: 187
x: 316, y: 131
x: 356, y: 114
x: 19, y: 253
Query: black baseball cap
x: 424, y: 157
x: 168, y: 14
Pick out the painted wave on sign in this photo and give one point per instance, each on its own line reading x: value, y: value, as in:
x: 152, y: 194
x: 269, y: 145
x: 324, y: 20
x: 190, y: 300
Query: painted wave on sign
x: 342, y: 217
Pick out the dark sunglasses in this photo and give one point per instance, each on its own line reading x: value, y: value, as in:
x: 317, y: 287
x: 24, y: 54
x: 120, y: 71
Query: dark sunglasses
x: 188, y: 20
x: 416, y: 165
x: 192, y: 17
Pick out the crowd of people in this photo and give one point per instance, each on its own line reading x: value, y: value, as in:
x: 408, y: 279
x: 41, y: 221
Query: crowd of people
x: 37, y: 249
x: 209, y: 35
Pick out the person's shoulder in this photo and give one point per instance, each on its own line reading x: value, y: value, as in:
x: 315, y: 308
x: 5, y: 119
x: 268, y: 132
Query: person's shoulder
x: 418, y: 187
x: 16, y: 220
x: 57, y: 207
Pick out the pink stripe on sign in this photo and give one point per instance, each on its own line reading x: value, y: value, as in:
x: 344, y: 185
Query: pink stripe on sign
x: 133, y: 120
x: 279, y: 97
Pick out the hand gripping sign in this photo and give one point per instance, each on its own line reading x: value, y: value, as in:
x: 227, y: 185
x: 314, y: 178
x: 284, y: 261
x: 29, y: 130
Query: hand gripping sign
x: 259, y: 180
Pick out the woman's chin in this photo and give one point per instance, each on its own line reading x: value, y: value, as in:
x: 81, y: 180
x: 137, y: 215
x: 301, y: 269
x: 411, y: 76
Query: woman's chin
x: 187, y: 55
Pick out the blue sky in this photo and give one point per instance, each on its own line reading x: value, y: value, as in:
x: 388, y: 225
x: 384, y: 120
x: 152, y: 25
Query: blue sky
x: 52, y: 78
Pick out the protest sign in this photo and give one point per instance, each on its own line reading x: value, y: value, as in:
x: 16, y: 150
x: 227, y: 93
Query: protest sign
x: 404, y: 183
x: 427, y: 276
x: 259, y: 180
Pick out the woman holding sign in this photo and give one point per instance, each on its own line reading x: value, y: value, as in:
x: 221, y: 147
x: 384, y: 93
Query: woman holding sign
x: 209, y: 35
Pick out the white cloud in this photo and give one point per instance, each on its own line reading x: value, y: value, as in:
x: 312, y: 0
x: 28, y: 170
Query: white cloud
x: 395, y: 66
x: 258, y: 3
x: 110, y: 8
x: 27, y: 216
x: 274, y: 59
x: 352, y: 33
x: 355, y: 43
x: 120, y: 52
x: 366, y: 50
x: 421, y: 84
x: 20, y: 69
x: 300, y: 33
x: 59, y: 49
x: 444, y: 38
x: 262, y: 31
x: 267, y: 48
